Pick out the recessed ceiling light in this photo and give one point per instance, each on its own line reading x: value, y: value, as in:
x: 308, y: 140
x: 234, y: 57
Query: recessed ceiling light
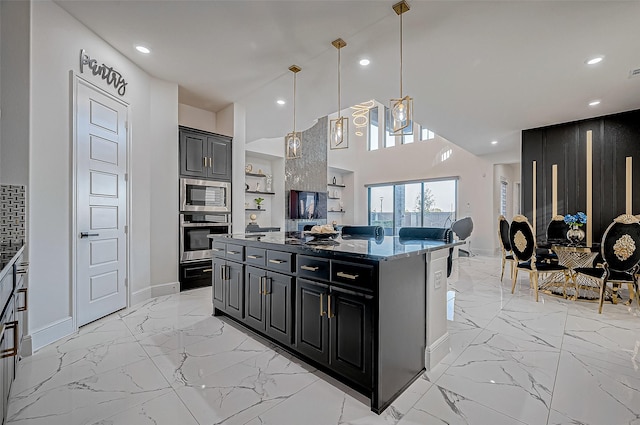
x: 280, y: 102
x: 143, y: 49
x: 364, y: 62
x: 594, y: 60
x: 494, y: 142
x: 594, y: 103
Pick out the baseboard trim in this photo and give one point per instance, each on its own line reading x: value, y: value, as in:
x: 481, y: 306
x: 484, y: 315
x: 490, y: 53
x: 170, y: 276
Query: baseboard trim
x: 51, y: 333
x: 140, y: 296
x: 437, y: 351
x: 165, y: 289
x: 26, y: 347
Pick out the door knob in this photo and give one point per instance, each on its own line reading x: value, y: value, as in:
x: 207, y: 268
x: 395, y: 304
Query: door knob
x: 86, y: 234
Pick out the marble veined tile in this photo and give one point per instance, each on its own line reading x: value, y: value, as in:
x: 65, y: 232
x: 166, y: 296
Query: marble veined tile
x: 441, y: 406
x: 604, y: 337
x: 596, y: 392
x: 160, y: 321
x: 189, y: 364
x: 172, y: 305
x: 243, y: 391
x: 167, y: 409
x: 460, y: 336
x: 557, y: 418
x: 541, y: 323
x: 90, y: 399
x: 41, y: 373
x: 321, y: 404
x: 514, y: 377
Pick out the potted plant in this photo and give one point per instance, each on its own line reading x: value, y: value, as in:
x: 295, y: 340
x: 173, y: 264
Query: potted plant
x: 258, y: 202
x: 575, y: 233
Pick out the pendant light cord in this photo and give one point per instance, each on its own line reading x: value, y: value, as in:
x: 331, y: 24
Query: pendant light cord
x: 401, y: 56
x: 294, y: 105
x: 339, y: 111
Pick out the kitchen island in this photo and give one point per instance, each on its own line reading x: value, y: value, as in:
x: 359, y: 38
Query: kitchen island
x: 369, y: 312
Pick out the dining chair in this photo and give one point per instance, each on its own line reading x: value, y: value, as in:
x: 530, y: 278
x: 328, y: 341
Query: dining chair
x: 505, y: 245
x: 463, y: 228
x: 523, y: 246
x: 620, y: 250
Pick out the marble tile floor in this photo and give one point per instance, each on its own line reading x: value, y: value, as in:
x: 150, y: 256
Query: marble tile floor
x: 512, y: 361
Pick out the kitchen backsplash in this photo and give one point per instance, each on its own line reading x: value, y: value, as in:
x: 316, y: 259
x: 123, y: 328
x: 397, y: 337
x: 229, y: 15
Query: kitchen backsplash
x: 12, y: 212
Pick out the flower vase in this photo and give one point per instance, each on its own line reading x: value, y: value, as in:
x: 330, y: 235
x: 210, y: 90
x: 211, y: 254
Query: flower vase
x: 575, y: 235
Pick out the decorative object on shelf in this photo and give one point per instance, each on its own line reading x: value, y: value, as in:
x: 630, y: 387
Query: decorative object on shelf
x: 253, y: 218
x: 334, y: 179
x: 258, y: 187
x: 248, y: 168
x: 293, y: 140
x: 246, y: 186
x: 575, y: 234
x: 336, y: 193
x: 341, y: 206
x: 260, y: 171
x: 258, y: 202
x: 339, y: 128
x: 401, y: 108
x: 246, y: 205
x: 268, y: 182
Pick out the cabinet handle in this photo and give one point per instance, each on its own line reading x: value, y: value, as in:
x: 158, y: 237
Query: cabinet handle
x: 329, y: 314
x: 204, y: 160
x: 21, y: 271
x: 261, y: 291
x: 254, y: 257
x: 347, y: 275
x: 267, y: 289
x: 321, y: 306
x: 207, y: 270
x: 13, y: 351
x: 277, y: 261
x: 210, y: 166
x: 233, y: 252
x: 216, y: 249
x: 310, y: 268
x: 23, y: 291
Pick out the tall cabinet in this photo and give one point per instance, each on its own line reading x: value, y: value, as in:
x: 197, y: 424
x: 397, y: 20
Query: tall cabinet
x: 204, y: 155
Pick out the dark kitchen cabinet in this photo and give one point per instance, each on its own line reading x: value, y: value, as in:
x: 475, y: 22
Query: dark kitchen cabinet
x: 8, y: 352
x: 204, y: 155
x: 268, y: 303
x: 228, y: 287
x: 195, y: 275
x: 334, y: 327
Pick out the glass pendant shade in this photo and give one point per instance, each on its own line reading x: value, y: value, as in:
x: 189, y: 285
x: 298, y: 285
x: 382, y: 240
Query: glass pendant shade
x: 338, y: 128
x: 402, y: 116
x: 402, y: 108
x: 293, y: 142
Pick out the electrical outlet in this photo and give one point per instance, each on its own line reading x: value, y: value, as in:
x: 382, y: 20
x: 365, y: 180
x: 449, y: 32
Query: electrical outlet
x: 437, y: 279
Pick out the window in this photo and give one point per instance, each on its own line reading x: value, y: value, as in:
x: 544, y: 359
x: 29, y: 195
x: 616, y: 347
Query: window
x: 426, y: 134
x: 429, y: 203
x: 389, y: 139
x: 373, y: 129
x: 503, y: 197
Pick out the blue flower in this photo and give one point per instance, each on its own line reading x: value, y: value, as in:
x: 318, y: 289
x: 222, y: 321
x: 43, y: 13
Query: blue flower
x: 569, y: 219
x: 582, y: 217
x: 576, y: 220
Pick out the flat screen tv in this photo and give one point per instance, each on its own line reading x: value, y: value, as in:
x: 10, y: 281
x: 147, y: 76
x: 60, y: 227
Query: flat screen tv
x: 304, y: 205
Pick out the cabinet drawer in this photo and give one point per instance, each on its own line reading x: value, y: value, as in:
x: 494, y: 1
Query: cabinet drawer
x: 313, y: 268
x: 218, y: 249
x: 352, y: 274
x: 235, y: 252
x: 256, y: 256
x: 281, y: 261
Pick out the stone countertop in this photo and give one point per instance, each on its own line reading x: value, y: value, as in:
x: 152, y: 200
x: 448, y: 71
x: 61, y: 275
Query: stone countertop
x: 383, y: 249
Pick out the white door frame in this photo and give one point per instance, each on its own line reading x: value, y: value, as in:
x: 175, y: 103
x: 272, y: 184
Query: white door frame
x: 75, y: 79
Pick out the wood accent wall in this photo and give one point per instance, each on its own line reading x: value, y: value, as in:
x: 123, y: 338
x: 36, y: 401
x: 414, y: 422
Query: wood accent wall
x: 615, y: 138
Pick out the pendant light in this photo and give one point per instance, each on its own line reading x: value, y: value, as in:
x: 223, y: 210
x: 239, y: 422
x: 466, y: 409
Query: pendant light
x: 293, y: 140
x: 401, y: 108
x: 339, y: 131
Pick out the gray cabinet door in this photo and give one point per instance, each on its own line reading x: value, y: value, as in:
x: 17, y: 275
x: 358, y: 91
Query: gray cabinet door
x: 218, y: 274
x: 194, y: 159
x: 234, y: 290
x: 312, y: 332
x: 254, y: 297
x: 219, y: 154
x: 279, y: 312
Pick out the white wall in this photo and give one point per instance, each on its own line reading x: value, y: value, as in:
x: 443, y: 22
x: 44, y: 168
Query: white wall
x: 419, y: 161
x: 511, y: 174
x: 14, y: 86
x: 57, y: 39
x: 193, y: 117
x: 164, y: 188
x: 226, y: 121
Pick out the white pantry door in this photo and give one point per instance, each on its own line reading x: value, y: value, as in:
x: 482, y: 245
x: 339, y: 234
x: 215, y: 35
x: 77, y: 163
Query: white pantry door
x: 101, y: 204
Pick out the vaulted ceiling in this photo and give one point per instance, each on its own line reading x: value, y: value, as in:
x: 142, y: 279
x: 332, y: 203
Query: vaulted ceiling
x: 478, y: 70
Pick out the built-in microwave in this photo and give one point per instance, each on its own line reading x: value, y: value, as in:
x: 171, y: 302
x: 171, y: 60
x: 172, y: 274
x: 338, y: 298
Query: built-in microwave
x: 205, y: 196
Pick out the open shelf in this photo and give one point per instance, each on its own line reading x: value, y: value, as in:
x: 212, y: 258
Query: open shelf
x: 255, y: 175
x: 329, y: 197
x: 341, y: 212
x: 255, y: 209
x: 259, y: 193
x: 335, y: 185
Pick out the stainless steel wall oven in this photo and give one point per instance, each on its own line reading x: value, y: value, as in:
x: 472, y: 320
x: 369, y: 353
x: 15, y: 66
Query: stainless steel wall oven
x: 195, y: 245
